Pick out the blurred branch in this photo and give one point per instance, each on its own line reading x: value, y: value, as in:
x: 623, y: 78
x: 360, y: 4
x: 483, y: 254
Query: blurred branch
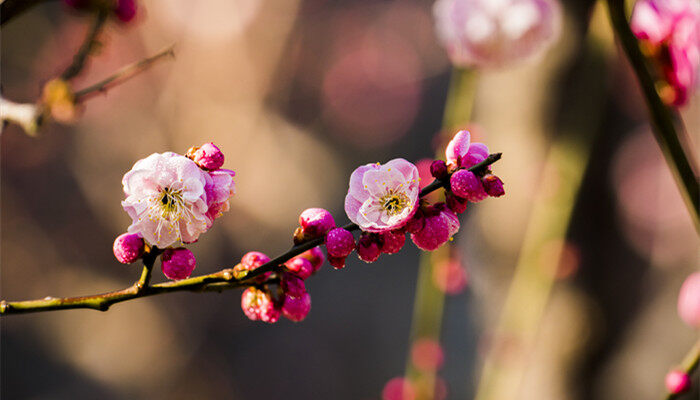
x: 87, y: 47
x: 663, y: 118
x: 689, y: 364
x: 216, y: 281
x: 123, y: 74
x: 12, y: 8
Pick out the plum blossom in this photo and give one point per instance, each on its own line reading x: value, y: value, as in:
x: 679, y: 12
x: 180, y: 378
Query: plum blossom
x: 492, y: 33
x: 670, y: 31
x: 461, y: 152
x: 218, y: 192
x: 383, y: 197
x: 166, y: 199
x: 439, y: 226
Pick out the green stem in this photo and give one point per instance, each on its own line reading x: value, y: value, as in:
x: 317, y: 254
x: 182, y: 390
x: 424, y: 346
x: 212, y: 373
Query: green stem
x: 216, y: 281
x: 663, y: 119
x: 689, y: 364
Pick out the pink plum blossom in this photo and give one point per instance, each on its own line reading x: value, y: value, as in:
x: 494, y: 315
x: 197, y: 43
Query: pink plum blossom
x: 258, y: 305
x: 367, y: 247
x: 300, y: 267
x: 178, y: 263
x: 339, y: 243
x: 208, y: 156
x: 457, y: 148
x: 251, y: 261
x: 128, y: 247
x: 383, y: 197
x: 296, y: 308
x: 493, y: 185
x: 493, y: 33
x: 218, y: 191
x: 467, y: 185
x: 316, y: 257
x: 671, y: 31
x: 440, y: 225
x: 689, y: 300
x: 292, y: 285
x: 393, y: 241
x: 166, y: 199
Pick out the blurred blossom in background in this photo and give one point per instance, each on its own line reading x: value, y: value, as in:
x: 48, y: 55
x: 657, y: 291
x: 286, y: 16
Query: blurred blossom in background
x: 297, y: 94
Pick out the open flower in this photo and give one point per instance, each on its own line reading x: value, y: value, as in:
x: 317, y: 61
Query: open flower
x: 488, y: 33
x: 166, y: 199
x: 461, y: 152
x: 383, y: 197
x: 218, y: 191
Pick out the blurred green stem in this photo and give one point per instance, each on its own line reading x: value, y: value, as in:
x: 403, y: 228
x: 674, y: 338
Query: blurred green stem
x: 664, y: 119
x: 689, y: 364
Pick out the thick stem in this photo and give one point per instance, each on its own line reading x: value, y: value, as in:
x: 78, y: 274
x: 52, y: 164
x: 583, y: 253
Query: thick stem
x: 663, y: 119
x: 216, y: 281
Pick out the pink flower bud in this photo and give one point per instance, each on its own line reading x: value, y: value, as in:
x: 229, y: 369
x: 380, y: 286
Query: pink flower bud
x: 258, y: 305
x: 438, y: 169
x: 208, y: 156
x: 128, y: 247
x: 316, y: 257
x: 125, y: 10
x: 300, y: 267
x: 399, y: 388
x: 292, y: 285
x: 336, y: 262
x: 415, y: 224
x: 440, y: 225
x: 252, y: 261
x: 367, y: 248
x: 177, y: 263
x: 458, y: 205
x: 296, y: 308
x: 677, y: 382
x: 457, y: 148
x: 467, y: 186
x: 339, y: 243
x: 427, y: 355
x: 689, y: 300
x: 316, y: 222
x: 393, y: 241
x: 493, y: 185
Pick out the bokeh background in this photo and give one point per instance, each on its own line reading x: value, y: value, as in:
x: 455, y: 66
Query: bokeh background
x: 297, y: 93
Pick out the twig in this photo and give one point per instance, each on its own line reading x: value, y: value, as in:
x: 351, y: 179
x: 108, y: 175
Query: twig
x: 123, y: 75
x: 87, y: 47
x: 663, y: 118
x: 688, y: 365
x: 217, y: 281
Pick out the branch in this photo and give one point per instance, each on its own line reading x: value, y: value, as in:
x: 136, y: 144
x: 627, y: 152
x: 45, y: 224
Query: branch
x: 689, y: 364
x: 86, y: 48
x: 663, y: 118
x: 217, y: 281
x: 123, y: 74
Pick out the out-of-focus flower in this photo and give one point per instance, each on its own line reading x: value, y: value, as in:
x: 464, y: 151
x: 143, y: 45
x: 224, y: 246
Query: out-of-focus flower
x: 492, y: 33
x: 399, y: 388
x: 677, y: 382
x: 450, y: 276
x: 128, y: 247
x: 383, y: 197
x: 178, y: 263
x: 689, y: 300
x: 670, y: 33
x: 427, y: 355
x: 166, y: 199
x: 296, y: 308
x: 258, y: 305
x: 440, y: 224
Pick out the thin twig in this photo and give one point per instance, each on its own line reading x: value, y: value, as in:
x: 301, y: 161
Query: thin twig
x: 663, y: 119
x: 123, y: 75
x: 217, y: 281
x: 87, y: 47
x: 689, y: 364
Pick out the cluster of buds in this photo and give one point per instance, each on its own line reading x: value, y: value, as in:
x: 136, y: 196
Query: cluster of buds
x: 263, y: 302
x: 123, y: 10
x: 172, y: 199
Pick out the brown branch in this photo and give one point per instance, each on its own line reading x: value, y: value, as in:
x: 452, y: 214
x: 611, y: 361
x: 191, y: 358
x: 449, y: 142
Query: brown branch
x: 80, y: 58
x: 217, y: 281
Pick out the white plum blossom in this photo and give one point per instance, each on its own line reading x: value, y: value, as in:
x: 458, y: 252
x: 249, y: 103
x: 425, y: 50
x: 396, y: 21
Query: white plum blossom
x: 492, y: 33
x: 383, y: 197
x: 166, y: 199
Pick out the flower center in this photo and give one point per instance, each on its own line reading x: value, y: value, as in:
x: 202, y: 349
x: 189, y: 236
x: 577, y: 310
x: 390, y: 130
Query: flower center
x: 170, y: 200
x: 393, y: 203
